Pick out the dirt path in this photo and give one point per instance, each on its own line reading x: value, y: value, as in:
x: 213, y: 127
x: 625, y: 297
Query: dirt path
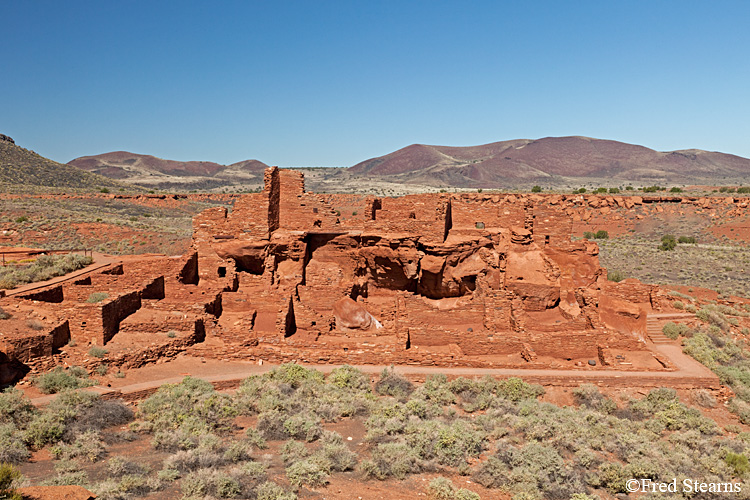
x: 142, y: 382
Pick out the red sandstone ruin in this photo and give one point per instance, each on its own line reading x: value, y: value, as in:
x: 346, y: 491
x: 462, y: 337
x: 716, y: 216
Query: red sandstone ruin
x: 443, y: 279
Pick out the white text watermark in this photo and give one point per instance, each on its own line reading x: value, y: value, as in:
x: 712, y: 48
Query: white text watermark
x: 685, y: 486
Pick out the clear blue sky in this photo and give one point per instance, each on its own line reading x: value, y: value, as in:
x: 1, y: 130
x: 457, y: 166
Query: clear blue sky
x: 332, y: 83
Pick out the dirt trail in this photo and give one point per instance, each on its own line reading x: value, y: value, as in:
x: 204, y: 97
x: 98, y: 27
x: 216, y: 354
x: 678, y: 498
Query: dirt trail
x: 144, y: 381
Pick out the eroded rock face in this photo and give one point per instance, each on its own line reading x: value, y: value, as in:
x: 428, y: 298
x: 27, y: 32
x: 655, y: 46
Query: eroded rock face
x: 351, y: 315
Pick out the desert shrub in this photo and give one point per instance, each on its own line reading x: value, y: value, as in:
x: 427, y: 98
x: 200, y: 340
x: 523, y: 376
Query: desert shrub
x: 675, y: 189
x: 61, y: 379
x: 295, y: 375
x: 447, y: 443
x: 69, y: 472
x: 614, y: 190
x: 393, y: 384
x: 738, y: 462
x: 99, y: 414
x: 536, y: 189
x: 293, y: 450
x: 601, y: 235
x: 308, y: 471
x: 272, y: 491
x: 465, y: 494
x: 193, y: 405
x: 60, y: 416
x: 612, y: 477
x: 10, y: 477
x: 615, y: 276
x: 664, y: 406
x: 393, y: 460
x: 743, y: 190
x: 704, y: 398
x: 588, y: 235
x: 119, y: 466
x: 271, y: 425
x: 97, y: 297
x: 336, y: 453
x: 435, y: 389
x: 87, y: 445
x: 441, y: 489
x: 741, y: 409
x: 43, y: 268
x: 674, y: 330
x: 15, y: 407
x: 713, y: 317
x: 303, y: 426
x: 686, y: 239
x: 516, y: 389
x: 348, y: 377
x: 668, y: 242
x: 253, y: 437
x: 191, y: 460
x: 210, y: 482
x: 12, y: 446
x: 97, y: 352
x: 588, y: 395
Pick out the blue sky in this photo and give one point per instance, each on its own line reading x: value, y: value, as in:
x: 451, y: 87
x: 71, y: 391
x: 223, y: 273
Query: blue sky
x: 331, y: 83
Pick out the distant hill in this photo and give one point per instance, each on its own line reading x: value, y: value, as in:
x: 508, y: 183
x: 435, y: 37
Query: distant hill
x: 147, y: 170
x: 552, y: 160
x: 24, y: 168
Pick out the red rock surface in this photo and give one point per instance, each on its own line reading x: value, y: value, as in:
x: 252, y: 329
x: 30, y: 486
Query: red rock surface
x: 56, y: 493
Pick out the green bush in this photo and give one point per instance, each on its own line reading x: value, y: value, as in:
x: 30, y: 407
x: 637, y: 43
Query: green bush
x: 97, y: 352
x: 675, y: 189
x: 97, y: 297
x: 393, y: 384
x: 348, y: 377
x: 392, y: 460
x: 9, y: 478
x: 738, y: 462
x: 686, y: 239
x: 15, y: 407
x: 87, y: 445
x: 62, y: 379
x: 308, y: 471
x: 588, y: 395
x: 615, y: 276
x: 588, y: 235
x: 13, y: 449
x: 601, y: 235
x: 668, y: 242
x: 536, y: 189
x: 516, y: 389
x: 272, y: 491
x: 43, y: 268
x: 193, y: 405
x: 674, y: 330
x: 295, y: 375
